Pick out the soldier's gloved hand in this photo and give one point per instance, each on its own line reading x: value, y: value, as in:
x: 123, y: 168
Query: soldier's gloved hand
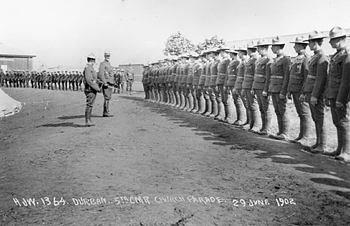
x: 327, y: 102
x: 302, y: 98
x: 282, y: 96
x: 339, y: 105
x: 264, y: 94
x: 313, y: 101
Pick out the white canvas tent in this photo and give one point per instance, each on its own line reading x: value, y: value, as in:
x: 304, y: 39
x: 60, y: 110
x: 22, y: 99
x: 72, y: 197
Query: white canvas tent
x: 8, y: 106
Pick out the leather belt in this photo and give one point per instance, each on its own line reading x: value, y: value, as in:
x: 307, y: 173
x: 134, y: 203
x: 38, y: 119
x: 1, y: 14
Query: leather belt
x: 335, y: 79
x: 222, y: 73
x: 240, y: 77
x: 249, y: 76
x: 277, y: 76
x: 232, y: 75
x: 311, y: 76
x: 296, y: 76
x: 258, y: 75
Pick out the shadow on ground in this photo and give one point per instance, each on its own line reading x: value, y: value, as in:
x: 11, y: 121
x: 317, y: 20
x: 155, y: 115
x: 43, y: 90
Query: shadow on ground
x: 327, y: 171
x: 63, y: 124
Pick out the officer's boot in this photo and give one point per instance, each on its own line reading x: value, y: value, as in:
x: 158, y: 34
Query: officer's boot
x: 88, y: 121
x: 279, y: 123
x: 195, y: 103
x: 267, y: 126
x: 182, y: 100
x: 285, y: 128
x: 246, y: 125
x: 322, y: 139
x: 190, y: 102
x: 255, y: 123
x: 177, y: 99
x: 305, y: 128
x: 229, y: 110
x: 201, y: 104
x: 239, y: 113
x: 345, y: 154
x: 106, y: 109
x: 214, y: 107
x: 221, y: 110
x: 337, y: 151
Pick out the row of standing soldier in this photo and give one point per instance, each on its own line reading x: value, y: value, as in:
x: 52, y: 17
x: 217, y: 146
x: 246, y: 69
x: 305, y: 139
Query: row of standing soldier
x: 57, y: 80
x: 218, y: 81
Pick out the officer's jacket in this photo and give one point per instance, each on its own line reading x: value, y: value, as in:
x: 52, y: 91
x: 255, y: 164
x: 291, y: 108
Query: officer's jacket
x: 104, y: 72
x: 172, y: 73
x: 240, y: 74
x: 208, y: 73
x: 262, y: 73
x: 90, y: 78
x: 316, y: 80
x: 178, y: 73
x: 232, y: 72
x: 279, y: 78
x: 299, y: 69
x: 202, y: 74
x: 222, y: 71
x: 185, y: 68
x: 338, y: 78
x: 213, y: 72
x: 197, y: 73
x: 249, y: 72
x: 190, y: 73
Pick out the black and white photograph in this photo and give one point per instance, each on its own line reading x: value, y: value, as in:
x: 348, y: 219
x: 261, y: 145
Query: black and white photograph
x: 174, y: 113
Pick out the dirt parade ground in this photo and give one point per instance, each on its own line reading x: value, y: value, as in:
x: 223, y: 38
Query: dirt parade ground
x: 154, y: 165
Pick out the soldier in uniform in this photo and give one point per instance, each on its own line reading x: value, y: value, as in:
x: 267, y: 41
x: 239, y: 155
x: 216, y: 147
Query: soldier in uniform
x: 213, y: 92
x: 184, y: 74
x: 314, y: 87
x: 338, y: 92
x: 299, y: 70
x: 200, y: 87
x: 279, y: 80
x: 27, y: 78
x: 49, y: 80
x: 172, y: 72
x: 261, y: 85
x: 233, y: 99
x: 238, y: 90
x: 130, y: 77
x: 221, y: 97
x: 106, y: 76
x: 178, y: 82
x: 145, y: 81
x: 92, y: 86
x: 44, y: 79
x: 197, y: 71
x: 252, y: 110
x: 189, y: 82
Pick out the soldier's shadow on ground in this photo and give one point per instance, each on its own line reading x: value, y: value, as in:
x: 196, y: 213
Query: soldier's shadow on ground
x: 327, y: 171
x: 77, y: 116
x: 63, y: 124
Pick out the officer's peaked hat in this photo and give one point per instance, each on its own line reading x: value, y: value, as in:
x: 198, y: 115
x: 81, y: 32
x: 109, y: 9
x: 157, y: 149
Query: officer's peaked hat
x: 277, y: 41
x: 337, y: 32
x: 315, y: 35
x: 300, y: 40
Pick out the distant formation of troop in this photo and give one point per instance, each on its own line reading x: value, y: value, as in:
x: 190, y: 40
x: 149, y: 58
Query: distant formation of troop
x: 57, y: 80
x: 236, y: 86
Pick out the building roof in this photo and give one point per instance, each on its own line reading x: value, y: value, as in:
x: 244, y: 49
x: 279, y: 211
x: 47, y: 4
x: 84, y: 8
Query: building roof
x: 7, y: 51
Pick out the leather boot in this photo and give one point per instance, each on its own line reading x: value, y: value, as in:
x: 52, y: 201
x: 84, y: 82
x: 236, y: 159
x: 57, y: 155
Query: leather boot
x: 195, y: 104
x: 106, y: 109
x: 285, y: 128
x: 186, y: 102
x: 214, y: 107
x: 221, y: 111
x: 254, y: 124
x: 340, y: 144
x: 322, y: 140
x: 230, y: 110
x: 239, y: 112
x: 190, y: 99
x: 246, y: 125
x: 182, y: 101
x: 88, y: 121
x: 345, y: 154
x: 201, y: 104
x: 267, y: 123
x: 177, y: 100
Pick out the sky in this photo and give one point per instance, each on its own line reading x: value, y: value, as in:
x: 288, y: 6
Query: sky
x: 61, y: 33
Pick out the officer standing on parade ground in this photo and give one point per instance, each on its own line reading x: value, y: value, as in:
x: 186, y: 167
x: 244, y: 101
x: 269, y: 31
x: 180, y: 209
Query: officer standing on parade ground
x: 299, y: 70
x: 314, y: 87
x: 337, y: 92
x: 92, y: 86
x: 106, y: 76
